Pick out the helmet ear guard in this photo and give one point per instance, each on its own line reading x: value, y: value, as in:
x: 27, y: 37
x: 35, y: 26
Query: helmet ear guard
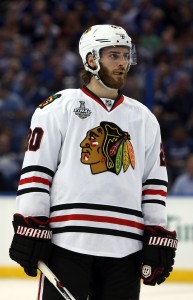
x: 87, y: 65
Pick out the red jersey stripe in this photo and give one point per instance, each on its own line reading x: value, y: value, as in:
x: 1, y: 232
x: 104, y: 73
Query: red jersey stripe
x: 93, y: 218
x: 118, y: 102
x: 98, y: 100
x: 35, y: 179
x: 154, y: 192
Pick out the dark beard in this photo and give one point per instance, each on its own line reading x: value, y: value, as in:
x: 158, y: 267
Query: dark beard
x: 109, y: 81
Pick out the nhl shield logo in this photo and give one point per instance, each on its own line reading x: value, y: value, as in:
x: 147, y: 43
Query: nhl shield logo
x: 82, y: 112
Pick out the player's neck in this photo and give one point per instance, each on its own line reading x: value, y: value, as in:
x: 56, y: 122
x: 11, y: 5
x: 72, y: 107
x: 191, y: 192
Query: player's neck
x: 99, y: 90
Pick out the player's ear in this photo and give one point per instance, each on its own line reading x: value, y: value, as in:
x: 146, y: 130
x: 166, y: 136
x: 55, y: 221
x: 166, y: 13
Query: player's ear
x: 91, y: 62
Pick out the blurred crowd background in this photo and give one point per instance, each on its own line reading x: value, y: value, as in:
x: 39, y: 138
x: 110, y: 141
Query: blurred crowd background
x: 39, y: 56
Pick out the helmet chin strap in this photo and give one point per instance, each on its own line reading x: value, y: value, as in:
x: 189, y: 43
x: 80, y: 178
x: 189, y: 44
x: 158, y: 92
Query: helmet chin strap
x: 102, y: 83
x: 96, y: 75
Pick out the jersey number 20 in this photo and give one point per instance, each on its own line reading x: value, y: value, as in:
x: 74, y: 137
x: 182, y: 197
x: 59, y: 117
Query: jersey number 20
x: 34, y: 139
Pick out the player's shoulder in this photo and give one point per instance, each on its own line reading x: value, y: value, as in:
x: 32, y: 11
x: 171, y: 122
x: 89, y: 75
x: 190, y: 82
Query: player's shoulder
x: 139, y: 107
x: 57, y: 101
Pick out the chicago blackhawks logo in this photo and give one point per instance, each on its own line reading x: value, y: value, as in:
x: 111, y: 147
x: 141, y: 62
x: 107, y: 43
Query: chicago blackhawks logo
x: 107, y: 148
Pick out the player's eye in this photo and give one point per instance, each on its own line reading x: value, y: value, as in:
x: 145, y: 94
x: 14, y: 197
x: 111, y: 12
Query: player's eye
x: 113, y: 56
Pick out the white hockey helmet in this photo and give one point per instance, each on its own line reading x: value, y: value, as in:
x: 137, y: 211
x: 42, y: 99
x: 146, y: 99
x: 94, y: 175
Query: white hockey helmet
x: 100, y: 36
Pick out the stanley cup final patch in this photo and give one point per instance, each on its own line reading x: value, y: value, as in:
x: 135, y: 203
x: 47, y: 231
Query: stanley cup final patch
x: 82, y: 112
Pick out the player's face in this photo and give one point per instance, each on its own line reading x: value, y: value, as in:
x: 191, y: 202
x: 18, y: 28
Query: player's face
x: 114, y: 64
x: 92, y: 146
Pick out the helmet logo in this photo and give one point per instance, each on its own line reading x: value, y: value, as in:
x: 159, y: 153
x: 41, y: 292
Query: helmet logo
x: 122, y: 36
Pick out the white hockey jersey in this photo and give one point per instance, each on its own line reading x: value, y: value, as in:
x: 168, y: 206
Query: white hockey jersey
x: 96, y: 168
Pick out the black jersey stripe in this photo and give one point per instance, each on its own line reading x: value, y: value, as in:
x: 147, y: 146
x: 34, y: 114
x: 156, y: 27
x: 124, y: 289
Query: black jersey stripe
x: 103, y: 231
x: 32, y: 190
x: 155, y: 182
x: 154, y: 201
x: 37, y: 169
x: 97, y: 207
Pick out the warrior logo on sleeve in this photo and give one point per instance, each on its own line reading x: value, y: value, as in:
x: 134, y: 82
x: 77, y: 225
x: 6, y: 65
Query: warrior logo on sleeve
x: 107, y: 148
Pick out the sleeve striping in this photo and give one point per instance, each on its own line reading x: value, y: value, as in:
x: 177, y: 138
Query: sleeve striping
x: 154, y: 192
x: 154, y: 201
x: 31, y: 190
x: 35, y: 179
x: 37, y: 169
x: 155, y: 182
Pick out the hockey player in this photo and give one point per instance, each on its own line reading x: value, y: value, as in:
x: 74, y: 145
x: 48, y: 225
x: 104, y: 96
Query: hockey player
x: 91, y: 200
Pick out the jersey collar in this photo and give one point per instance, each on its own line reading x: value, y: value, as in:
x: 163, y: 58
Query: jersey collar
x: 117, y: 101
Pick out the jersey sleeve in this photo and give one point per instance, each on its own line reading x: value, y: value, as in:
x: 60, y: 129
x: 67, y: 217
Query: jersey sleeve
x: 40, y: 163
x: 155, y: 179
